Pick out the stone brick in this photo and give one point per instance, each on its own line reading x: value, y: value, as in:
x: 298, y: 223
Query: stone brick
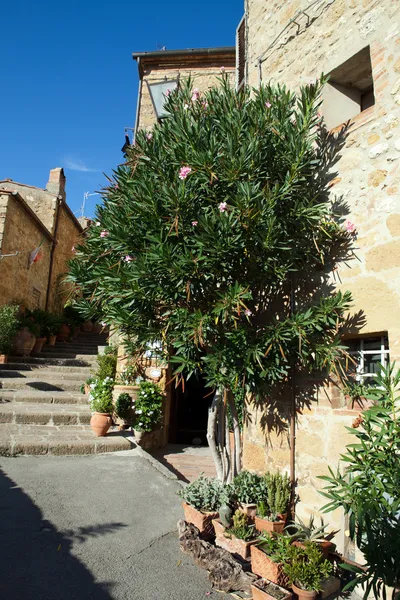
x: 373, y: 139
x: 65, y: 419
x: 29, y: 418
x: 254, y: 457
x: 396, y: 65
x: 393, y: 224
x: 385, y: 256
x: 377, y: 177
x: 30, y: 447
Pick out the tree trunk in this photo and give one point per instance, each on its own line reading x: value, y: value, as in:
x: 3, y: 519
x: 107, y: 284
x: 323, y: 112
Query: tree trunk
x: 212, y: 428
x: 237, y: 446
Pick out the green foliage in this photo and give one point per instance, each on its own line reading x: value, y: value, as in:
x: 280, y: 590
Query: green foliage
x: 239, y: 395
x: 204, y: 494
x: 308, y: 532
x: 278, y: 494
x: 123, y: 405
x: 29, y: 322
x: 107, y: 364
x: 89, y: 381
x: 306, y: 567
x: 129, y: 376
x: 241, y: 528
x: 276, y: 546
x: 72, y: 315
x: 355, y: 389
x: 100, y: 396
x: 148, y: 406
x: 9, y: 325
x: 368, y: 490
x: 250, y: 488
x: 204, y: 263
x: 47, y: 323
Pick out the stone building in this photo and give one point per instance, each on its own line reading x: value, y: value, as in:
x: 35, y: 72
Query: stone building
x: 31, y: 217
x: 358, y: 44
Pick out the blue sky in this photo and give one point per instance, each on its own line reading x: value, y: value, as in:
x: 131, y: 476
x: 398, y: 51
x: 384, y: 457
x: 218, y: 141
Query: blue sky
x: 69, y: 84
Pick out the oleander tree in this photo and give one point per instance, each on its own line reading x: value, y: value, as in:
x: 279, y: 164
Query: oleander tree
x: 216, y: 239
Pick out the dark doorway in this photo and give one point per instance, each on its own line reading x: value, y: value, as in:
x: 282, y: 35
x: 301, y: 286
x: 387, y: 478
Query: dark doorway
x: 189, y: 412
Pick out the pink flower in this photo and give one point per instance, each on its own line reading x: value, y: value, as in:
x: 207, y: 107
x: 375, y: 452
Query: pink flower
x: 268, y: 104
x: 222, y: 206
x: 205, y: 104
x: 319, y: 115
x: 128, y: 258
x: 73, y: 249
x: 194, y: 223
x: 349, y: 226
x: 184, y: 172
x: 149, y: 136
x: 167, y: 93
x: 248, y: 312
x: 104, y: 233
x: 222, y: 69
x: 116, y: 186
x: 196, y: 95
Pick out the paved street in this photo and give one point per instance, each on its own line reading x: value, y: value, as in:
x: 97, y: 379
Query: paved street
x: 101, y: 527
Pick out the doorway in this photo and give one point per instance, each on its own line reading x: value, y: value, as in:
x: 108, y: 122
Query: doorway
x: 189, y: 412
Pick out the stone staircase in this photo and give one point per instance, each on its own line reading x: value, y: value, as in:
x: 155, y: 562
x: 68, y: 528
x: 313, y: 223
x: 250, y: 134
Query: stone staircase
x: 42, y: 410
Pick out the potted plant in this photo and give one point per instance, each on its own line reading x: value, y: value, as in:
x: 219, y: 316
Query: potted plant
x: 262, y: 589
x: 148, y: 414
x: 41, y: 318
x: 52, y: 326
x: 123, y: 410
x: 85, y: 387
x: 101, y: 404
x: 238, y: 538
x: 306, y: 569
x: 301, y: 533
x: 268, y: 557
x: 9, y: 325
x: 201, y: 501
x: 127, y: 381
x: 250, y: 490
x: 271, y: 514
x: 26, y: 336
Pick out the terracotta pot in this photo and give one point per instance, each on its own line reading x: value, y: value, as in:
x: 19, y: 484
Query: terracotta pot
x: 51, y: 340
x: 262, y: 565
x: 203, y: 520
x: 100, y: 423
x: 304, y: 594
x: 269, y: 526
x: 87, y: 326
x: 324, y: 545
x: 232, y: 544
x: 249, y: 510
x: 261, y: 594
x: 63, y: 332
x: 3, y: 359
x: 23, y: 342
x: 37, y: 348
x: 97, y: 328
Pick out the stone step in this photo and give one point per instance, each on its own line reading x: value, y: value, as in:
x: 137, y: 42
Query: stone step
x: 54, y: 350
x: 61, y: 362
x: 44, y: 374
x: 84, y: 372
x: 43, y: 397
x: 20, y: 413
x: 16, y: 440
x: 41, y: 383
x: 72, y: 355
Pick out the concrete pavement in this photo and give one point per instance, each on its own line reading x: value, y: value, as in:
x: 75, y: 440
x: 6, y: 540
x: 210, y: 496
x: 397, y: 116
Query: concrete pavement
x: 101, y: 527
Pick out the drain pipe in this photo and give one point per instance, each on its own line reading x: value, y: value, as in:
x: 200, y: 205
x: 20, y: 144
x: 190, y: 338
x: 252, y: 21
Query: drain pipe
x: 292, y: 424
x: 139, y: 101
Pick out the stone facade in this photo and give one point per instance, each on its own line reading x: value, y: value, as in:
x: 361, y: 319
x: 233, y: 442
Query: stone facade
x: 31, y: 216
x: 288, y: 46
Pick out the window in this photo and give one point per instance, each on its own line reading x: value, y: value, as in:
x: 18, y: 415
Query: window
x: 350, y: 89
x: 36, y: 297
x: 241, y: 53
x: 370, y: 354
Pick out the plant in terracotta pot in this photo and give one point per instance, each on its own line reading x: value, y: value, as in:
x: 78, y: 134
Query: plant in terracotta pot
x: 271, y: 514
x: 269, y: 555
x: 9, y: 325
x: 127, y: 380
x: 41, y: 318
x: 301, y: 533
x: 238, y: 538
x: 25, y: 339
x: 201, y: 501
x: 100, y: 398
x: 148, y: 413
x: 53, y: 323
x: 263, y: 589
x: 306, y: 569
x: 250, y: 490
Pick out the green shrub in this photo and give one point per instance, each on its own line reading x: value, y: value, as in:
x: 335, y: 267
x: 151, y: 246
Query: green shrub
x: 107, y: 365
x: 241, y: 528
x: 123, y: 406
x: 306, y: 567
x: 101, y: 395
x: 9, y: 325
x: 72, y: 316
x: 275, y: 546
x: 204, y: 494
x: 148, y: 406
x: 250, y: 488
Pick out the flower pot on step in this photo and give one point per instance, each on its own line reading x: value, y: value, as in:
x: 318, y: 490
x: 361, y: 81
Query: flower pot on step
x: 269, y: 526
x: 3, y: 359
x: 203, y: 520
x: 63, y: 332
x: 133, y: 391
x: 266, y: 590
x: 263, y: 566
x: 23, y: 342
x: 97, y: 328
x: 237, y: 547
x: 38, y: 345
x: 100, y: 423
x: 304, y: 594
x: 87, y: 326
x: 51, y: 340
x: 148, y: 440
x: 249, y: 510
x: 324, y: 545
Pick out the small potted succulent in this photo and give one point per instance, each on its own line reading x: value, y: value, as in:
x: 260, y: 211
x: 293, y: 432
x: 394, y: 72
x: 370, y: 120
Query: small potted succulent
x: 262, y: 589
x: 148, y: 414
x: 306, y: 569
x: 268, y: 556
x: 201, y: 500
x: 272, y: 513
x: 238, y: 538
x: 301, y: 533
x: 100, y: 398
x: 250, y: 490
x: 9, y: 325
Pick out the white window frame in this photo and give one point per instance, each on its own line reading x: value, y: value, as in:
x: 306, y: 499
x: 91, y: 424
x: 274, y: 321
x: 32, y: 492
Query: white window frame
x: 360, y: 354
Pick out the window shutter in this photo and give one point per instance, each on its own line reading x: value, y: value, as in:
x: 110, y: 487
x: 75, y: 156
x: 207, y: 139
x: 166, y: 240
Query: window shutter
x: 241, y: 53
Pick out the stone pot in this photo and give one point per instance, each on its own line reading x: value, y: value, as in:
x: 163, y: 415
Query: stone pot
x: 51, y: 340
x: 304, y: 594
x: 63, y: 332
x: 87, y: 326
x: 100, y: 423
x: 269, y: 526
x: 203, y: 520
x: 148, y: 440
x: 3, y: 359
x: 237, y: 547
x: 23, y: 342
x: 259, y: 593
x: 262, y: 565
x: 133, y: 391
x: 37, y: 348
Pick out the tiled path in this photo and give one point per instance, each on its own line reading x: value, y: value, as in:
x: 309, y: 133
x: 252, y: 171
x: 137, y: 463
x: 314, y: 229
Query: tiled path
x: 187, y: 462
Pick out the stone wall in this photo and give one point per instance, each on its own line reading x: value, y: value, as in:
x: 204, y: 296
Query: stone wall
x: 23, y: 234
x: 40, y: 201
x: 368, y: 179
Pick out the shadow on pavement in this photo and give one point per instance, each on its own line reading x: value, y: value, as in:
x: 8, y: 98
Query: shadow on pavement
x: 37, y: 563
